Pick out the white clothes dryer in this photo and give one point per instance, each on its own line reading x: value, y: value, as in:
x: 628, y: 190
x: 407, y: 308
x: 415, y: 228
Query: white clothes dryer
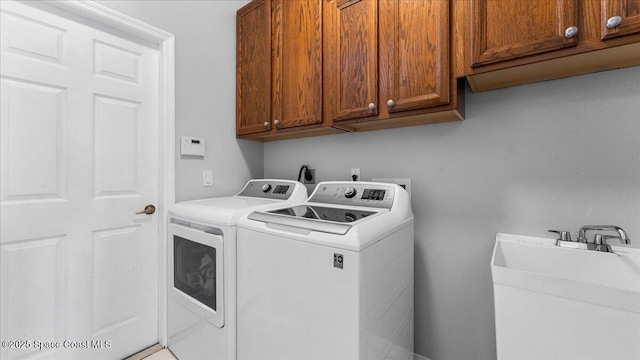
x: 330, y: 278
x: 202, y: 253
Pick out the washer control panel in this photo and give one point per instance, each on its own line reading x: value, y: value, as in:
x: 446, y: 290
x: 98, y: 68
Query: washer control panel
x: 376, y: 195
x: 269, y: 189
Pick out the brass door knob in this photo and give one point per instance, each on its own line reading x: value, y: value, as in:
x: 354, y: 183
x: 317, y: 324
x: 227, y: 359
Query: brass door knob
x: 149, y: 210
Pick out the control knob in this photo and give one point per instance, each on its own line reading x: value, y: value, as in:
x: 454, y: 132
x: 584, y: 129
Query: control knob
x: 350, y: 192
x: 266, y: 188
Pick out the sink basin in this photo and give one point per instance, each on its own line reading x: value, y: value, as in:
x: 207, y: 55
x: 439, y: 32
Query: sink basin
x: 563, y: 303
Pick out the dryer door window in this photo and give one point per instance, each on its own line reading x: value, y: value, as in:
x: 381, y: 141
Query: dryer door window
x: 194, y: 270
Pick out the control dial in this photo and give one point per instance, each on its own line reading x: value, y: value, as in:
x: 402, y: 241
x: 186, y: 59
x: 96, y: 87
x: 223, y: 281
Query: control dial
x: 266, y: 188
x: 350, y: 192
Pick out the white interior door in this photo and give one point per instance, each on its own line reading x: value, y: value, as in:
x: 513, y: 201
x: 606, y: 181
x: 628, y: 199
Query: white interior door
x: 79, y: 149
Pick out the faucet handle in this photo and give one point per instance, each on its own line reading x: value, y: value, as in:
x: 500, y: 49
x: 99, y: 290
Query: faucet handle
x: 562, y: 235
x: 600, y: 239
x: 601, y: 242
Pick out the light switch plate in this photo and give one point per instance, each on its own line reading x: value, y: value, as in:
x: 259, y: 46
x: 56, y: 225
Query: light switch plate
x: 207, y: 178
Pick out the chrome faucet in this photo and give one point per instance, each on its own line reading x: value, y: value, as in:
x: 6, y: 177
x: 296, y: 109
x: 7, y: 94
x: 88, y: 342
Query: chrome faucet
x: 623, y: 237
x: 599, y: 242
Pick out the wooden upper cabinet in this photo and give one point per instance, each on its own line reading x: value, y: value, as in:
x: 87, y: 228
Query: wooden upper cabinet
x: 315, y: 67
x: 414, y: 54
x: 501, y: 43
x: 620, y: 17
x: 509, y: 29
x: 351, y: 58
x: 297, y: 62
x: 253, y: 68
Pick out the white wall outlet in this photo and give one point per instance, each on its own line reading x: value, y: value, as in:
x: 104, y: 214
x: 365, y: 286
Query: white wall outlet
x: 355, y: 172
x: 405, y: 183
x: 207, y: 178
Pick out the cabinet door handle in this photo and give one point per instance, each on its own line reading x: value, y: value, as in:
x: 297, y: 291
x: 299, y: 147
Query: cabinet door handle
x: 613, y: 22
x: 372, y: 106
x: 390, y: 103
x: 571, y: 32
x: 276, y: 122
x: 266, y: 124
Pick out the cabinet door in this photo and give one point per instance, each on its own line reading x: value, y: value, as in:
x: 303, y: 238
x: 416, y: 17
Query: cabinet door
x: 351, y: 63
x: 297, y: 62
x: 628, y: 22
x: 253, y: 68
x: 509, y: 29
x: 414, y: 54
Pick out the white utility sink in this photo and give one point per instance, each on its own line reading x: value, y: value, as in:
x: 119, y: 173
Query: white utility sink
x: 563, y: 303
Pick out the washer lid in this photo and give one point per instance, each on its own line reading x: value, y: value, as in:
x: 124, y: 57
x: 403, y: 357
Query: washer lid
x: 339, y: 215
x: 256, y: 195
x: 332, y: 220
x: 224, y: 210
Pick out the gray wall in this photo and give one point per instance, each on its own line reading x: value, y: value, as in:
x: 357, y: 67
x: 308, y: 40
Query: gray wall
x: 205, y: 34
x: 552, y: 155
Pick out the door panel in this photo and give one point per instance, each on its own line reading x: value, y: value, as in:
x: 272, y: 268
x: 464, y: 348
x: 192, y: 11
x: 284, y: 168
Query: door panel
x: 116, y: 162
x: 352, y: 58
x: 111, y: 61
x: 414, y: 64
x: 297, y: 62
x: 79, y: 157
x: 34, y: 132
x: 32, y: 38
x: 253, y: 72
x: 33, y: 310
x: 114, y: 264
x: 509, y: 29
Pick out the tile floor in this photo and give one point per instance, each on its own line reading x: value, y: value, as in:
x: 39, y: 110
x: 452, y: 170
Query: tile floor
x: 166, y: 354
x: 163, y: 354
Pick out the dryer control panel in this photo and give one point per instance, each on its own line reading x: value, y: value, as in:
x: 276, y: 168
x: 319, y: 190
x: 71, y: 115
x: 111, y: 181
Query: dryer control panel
x: 269, y: 189
x: 378, y: 195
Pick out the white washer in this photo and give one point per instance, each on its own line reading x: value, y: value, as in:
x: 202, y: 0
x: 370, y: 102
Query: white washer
x: 330, y: 278
x: 202, y: 251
